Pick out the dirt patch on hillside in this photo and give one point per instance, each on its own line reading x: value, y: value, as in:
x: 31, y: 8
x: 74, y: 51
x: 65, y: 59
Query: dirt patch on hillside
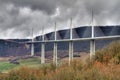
x: 4, y: 58
x: 83, y: 57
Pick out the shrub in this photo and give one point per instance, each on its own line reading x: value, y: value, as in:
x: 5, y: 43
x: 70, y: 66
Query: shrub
x: 109, y: 54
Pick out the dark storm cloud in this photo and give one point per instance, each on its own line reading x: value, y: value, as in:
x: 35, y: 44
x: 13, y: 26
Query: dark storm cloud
x: 46, y: 12
x: 104, y: 10
x: 47, y: 6
x: 11, y: 18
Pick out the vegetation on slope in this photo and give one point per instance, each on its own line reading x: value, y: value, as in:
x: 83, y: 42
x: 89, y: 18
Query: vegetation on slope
x: 110, y: 54
x: 6, y: 66
x: 104, y: 67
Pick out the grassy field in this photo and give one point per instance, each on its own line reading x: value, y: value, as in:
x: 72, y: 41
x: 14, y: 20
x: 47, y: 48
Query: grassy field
x: 5, y: 66
x: 31, y: 62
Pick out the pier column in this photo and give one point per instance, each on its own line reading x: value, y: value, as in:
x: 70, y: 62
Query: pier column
x: 55, y: 54
x: 42, y: 47
x: 71, y: 43
x: 43, y: 53
x: 92, y: 42
x: 92, y: 48
x: 32, y: 49
x: 32, y: 44
x: 55, y: 47
x: 70, y: 52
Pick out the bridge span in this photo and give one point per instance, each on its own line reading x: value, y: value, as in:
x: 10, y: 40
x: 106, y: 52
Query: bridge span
x: 84, y: 33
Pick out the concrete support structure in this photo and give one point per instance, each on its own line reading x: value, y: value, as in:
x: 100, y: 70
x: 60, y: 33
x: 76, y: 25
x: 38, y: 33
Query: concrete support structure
x: 42, y: 53
x: 92, y: 41
x: 92, y: 44
x: 32, y: 45
x: 32, y: 49
x: 55, y: 54
x: 70, y: 52
x: 42, y: 48
x: 70, y: 44
x: 55, y: 48
x: 92, y: 48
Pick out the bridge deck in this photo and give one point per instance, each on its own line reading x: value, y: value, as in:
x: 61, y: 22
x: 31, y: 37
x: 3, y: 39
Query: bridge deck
x: 77, y: 39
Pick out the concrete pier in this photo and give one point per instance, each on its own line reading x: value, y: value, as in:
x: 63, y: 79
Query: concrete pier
x: 55, y: 48
x: 42, y: 47
x: 71, y: 43
x: 42, y: 53
x: 32, y: 45
x: 92, y: 48
x: 55, y: 54
x: 70, y: 52
x: 92, y: 41
x: 32, y: 49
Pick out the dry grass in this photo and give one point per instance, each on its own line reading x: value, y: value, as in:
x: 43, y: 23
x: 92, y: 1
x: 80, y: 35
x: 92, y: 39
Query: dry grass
x: 110, y: 54
x: 77, y: 71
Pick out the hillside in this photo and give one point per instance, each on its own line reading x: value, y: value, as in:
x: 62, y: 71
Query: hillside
x: 8, y: 48
x: 104, y: 66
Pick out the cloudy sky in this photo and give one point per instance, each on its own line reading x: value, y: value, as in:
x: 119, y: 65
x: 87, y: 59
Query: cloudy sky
x: 17, y: 17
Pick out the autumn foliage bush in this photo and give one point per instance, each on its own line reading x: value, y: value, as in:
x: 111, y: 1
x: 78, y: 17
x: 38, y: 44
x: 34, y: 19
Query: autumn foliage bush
x: 110, y: 54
